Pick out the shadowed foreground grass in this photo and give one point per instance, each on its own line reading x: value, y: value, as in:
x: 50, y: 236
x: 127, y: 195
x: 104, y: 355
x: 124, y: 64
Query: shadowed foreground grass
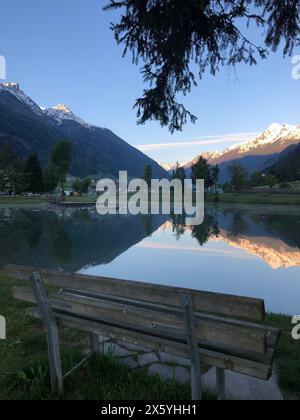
x: 102, y: 378
x: 24, y: 373
x: 287, y: 357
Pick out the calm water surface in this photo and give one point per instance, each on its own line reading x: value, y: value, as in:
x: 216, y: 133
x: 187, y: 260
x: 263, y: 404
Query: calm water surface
x: 249, y: 251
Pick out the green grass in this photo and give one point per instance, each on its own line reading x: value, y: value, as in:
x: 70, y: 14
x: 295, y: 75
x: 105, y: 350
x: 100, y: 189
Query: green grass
x: 21, y: 200
x: 17, y: 201
x: 83, y: 199
x: 101, y: 378
x: 24, y: 373
x: 287, y: 357
x: 280, y: 199
x: 284, y: 199
x: 295, y: 185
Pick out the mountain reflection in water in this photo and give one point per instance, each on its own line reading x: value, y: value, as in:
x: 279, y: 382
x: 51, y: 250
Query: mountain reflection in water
x: 275, y: 238
x: 78, y: 238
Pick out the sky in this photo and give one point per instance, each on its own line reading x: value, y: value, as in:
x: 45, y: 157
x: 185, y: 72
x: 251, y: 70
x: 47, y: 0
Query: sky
x: 63, y: 51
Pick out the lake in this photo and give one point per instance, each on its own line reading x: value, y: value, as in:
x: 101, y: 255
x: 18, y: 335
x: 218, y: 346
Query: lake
x: 249, y: 251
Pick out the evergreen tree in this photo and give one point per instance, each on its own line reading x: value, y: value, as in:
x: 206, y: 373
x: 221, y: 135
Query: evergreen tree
x: 178, y: 172
x: 173, y: 38
x: 215, y: 173
x: 9, y: 168
x: 202, y: 170
x: 62, y: 158
x: 50, y: 178
x: 148, y: 175
x: 33, y: 175
x: 239, y: 176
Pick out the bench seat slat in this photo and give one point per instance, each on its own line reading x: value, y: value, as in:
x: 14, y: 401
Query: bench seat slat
x: 208, y: 357
x: 219, y: 304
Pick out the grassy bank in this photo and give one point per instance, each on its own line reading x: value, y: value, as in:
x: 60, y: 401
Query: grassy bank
x: 83, y: 199
x: 280, y: 199
x: 287, y: 357
x: 33, y: 201
x: 16, y: 201
x: 41, y: 200
x: 24, y: 369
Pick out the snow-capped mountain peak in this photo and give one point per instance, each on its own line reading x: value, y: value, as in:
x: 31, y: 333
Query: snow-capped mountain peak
x: 167, y: 166
x: 273, y: 133
x: 275, y: 127
x: 59, y: 113
x: 64, y: 108
x: 62, y: 112
x: 273, y: 140
x: 14, y: 89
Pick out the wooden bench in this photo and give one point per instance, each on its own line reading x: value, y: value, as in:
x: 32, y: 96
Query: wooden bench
x: 213, y: 330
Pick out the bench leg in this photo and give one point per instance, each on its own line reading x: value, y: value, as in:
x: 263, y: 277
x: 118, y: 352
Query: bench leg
x: 54, y: 359
x: 221, y: 384
x: 196, y: 384
x: 196, y: 376
x: 95, y: 345
x: 51, y: 327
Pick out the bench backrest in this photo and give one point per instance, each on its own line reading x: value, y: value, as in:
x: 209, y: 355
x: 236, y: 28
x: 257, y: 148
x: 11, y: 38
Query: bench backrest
x: 150, y: 313
x: 215, y: 303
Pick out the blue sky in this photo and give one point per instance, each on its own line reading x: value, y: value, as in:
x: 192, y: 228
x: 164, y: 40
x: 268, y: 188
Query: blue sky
x: 62, y: 51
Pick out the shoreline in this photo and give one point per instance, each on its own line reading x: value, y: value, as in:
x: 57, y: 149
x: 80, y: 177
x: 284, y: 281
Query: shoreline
x: 285, y: 200
x: 257, y: 199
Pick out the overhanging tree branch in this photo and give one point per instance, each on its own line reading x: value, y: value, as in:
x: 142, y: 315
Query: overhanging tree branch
x: 169, y: 36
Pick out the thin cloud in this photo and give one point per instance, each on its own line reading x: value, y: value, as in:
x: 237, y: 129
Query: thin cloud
x: 207, y: 140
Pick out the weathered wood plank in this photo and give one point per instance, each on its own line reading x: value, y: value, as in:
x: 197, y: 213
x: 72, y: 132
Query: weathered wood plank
x: 220, y: 304
x: 219, y: 333
x: 210, y: 330
x: 208, y: 357
x: 273, y: 334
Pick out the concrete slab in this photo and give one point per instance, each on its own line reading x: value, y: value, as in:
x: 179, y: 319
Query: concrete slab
x: 114, y: 349
x: 241, y: 387
x: 166, y: 372
x: 147, y: 359
x: 175, y: 360
x: 130, y: 362
x: 134, y: 347
x: 182, y: 374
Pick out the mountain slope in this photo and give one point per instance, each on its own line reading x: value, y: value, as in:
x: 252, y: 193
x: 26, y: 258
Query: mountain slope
x: 255, y: 154
x: 275, y: 139
x: 287, y: 166
x: 30, y: 129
